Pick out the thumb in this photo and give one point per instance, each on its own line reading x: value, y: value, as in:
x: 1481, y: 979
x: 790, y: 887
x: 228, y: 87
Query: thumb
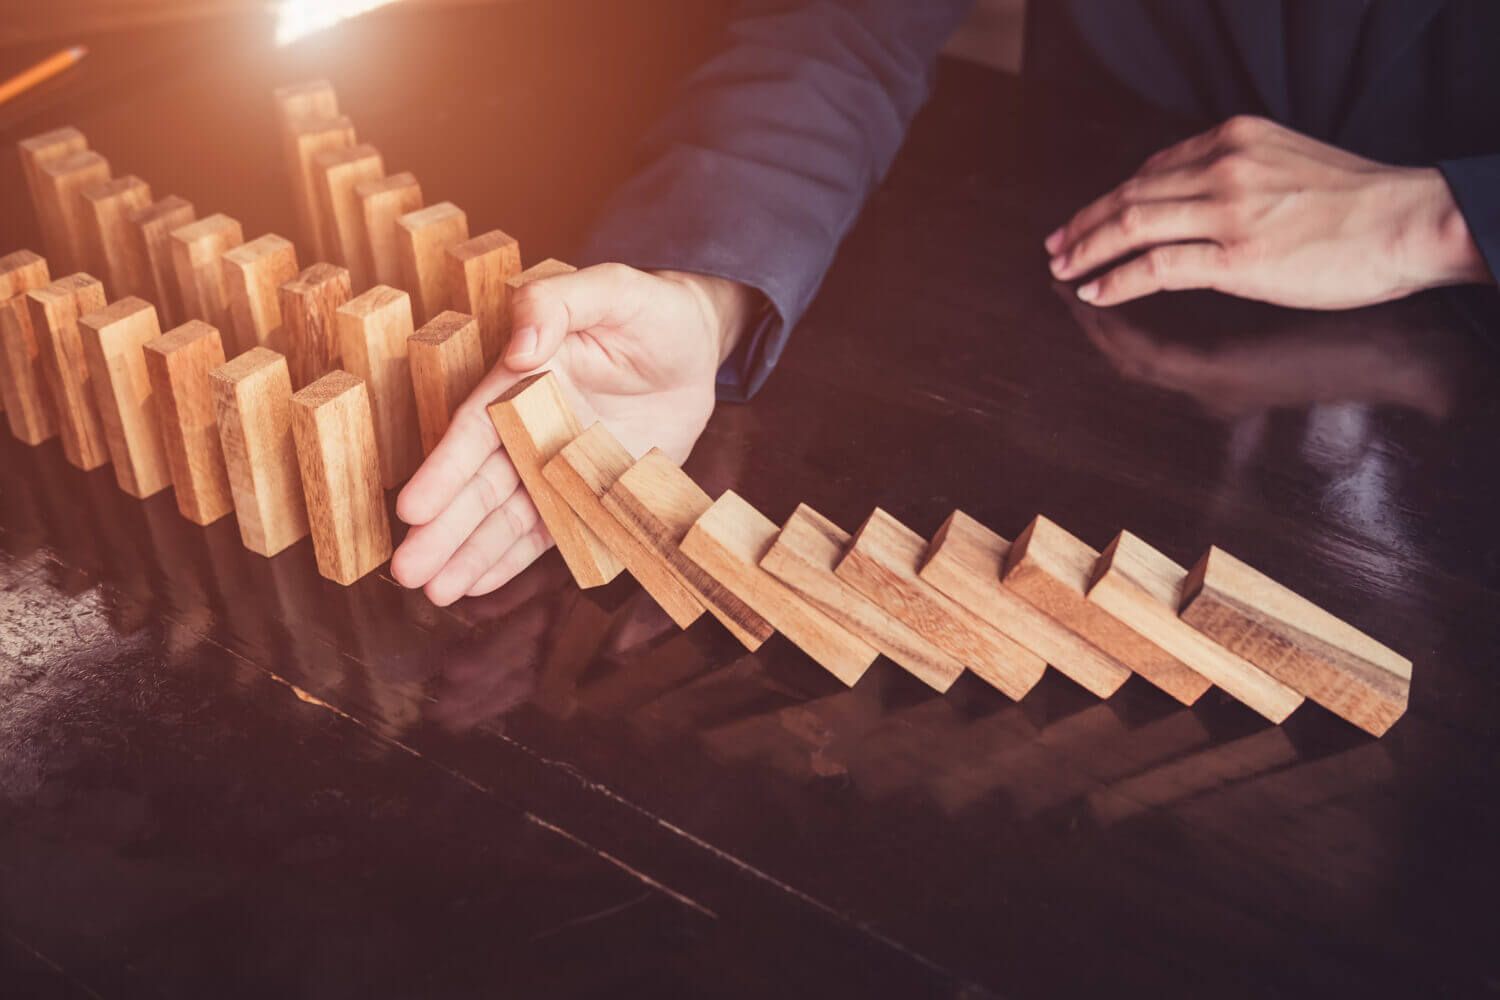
x: 543, y: 312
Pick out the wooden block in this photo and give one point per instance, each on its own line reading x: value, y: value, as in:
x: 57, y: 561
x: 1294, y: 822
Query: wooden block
x: 23, y: 379
x: 657, y: 502
x: 113, y: 339
x: 154, y: 226
x: 534, y: 422
x: 728, y: 543
x: 382, y: 202
x: 181, y: 364
x: 335, y: 434
x: 305, y: 138
x: 35, y: 151
x: 197, y: 252
x: 1143, y: 588
x: 55, y: 310
x: 338, y: 173
x: 446, y: 365
x: 882, y: 564
x: 422, y: 239
x: 581, y: 473
x: 1297, y: 642
x: 373, y: 332
x: 1051, y: 568
x: 253, y: 275
x: 60, y: 180
x: 478, y: 270
x: 309, y: 315
x: 965, y: 562
x: 804, y: 557
x: 110, y: 236
x: 253, y: 408
x: 312, y: 100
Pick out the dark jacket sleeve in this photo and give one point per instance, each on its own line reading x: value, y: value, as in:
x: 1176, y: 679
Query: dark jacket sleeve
x: 761, y: 168
x: 1475, y: 182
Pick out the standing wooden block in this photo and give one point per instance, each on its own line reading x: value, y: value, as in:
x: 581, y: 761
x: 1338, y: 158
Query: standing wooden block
x: 55, y: 310
x: 154, y: 226
x: 1143, y: 588
x: 728, y: 542
x: 374, y: 330
x: 1297, y: 642
x: 305, y: 139
x: 60, y: 181
x: 113, y: 342
x: 965, y: 562
x: 110, y: 236
x: 23, y: 379
x: 1051, y: 568
x: 534, y: 422
x: 804, y: 557
x: 422, y: 239
x: 309, y: 100
x: 657, y: 502
x: 581, y: 473
x: 338, y: 173
x: 382, y: 202
x: 335, y: 434
x: 253, y: 408
x: 309, y: 315
x: 180, y: 364
x: 36, y: 151
x: 446, y: 365
x: 197, y: 252
x: 478, y: 270
x: 253, y: 275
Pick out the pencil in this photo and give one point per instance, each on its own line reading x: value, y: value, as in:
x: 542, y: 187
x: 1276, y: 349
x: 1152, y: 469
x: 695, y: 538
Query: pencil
x: 42, y: 72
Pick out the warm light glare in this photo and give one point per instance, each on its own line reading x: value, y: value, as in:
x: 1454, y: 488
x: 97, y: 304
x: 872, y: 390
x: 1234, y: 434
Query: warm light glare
x: 299, y: 18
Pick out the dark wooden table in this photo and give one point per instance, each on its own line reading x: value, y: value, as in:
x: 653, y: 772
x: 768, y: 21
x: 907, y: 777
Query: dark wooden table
x: 223, y: 776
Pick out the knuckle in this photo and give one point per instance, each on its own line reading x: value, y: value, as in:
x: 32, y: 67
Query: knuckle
x: 1132, y: 220
x: 1241, y: 128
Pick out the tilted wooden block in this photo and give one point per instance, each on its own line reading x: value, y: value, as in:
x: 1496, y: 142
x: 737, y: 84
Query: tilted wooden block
x: 23, y: 379
x: 1143, y: 588
x: 197, y: 252
x: 154, y: 226
x: 581, y: 473
x: 305, y: 138
x: 728, y: 542
x: 1051, y: 568
x: 478, y: 270
x: 60, y: 181
x: 882, y: 564
x: 804, y: 556
x: 113, y: 342
x: 253, y: 275
x: 1297, y: 642
x: 309, y: 318
x: 657, y: 502
x: 382, y: 202
x: 339, y: 172
x: 965, y: 561
x: 534, y: 422
x: 253, y: 407
x: 335, y: 434
x: 374, y: 329
x: 110, y: 237
x: 35, y: 151
x: 309, y: 100
x: 422, y: 239
x: 446, y: 364
x: 55, y: 310
x: 181, y: 364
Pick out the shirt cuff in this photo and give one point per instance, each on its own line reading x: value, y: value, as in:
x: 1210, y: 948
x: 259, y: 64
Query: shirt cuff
x: 1475, y: 183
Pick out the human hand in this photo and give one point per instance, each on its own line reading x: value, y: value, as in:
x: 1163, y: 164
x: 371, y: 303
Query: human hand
x: 637, y: 351
x: 1257, y: 210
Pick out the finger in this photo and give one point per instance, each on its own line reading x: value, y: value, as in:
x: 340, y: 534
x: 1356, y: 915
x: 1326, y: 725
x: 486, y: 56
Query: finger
x: 428, y: 547
x: 483, y: 549
x: 545, y: 311
x: 468, y: 442
x: 1182, y: 183
x: 1175, y: 266
x: 527, y: 549
x: 1136, y: 227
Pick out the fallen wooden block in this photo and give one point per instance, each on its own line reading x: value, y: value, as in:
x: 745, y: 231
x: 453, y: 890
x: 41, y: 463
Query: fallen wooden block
x: 110, y: 237
x: 534, y: 422
x: 312, y: 100
x: 336, y: 452
x: 181, y: 364
x: 1143, y: 588
x: 60, y: 181
x: 253, y: 407
x: 965, y: 562
x: 382, y: 201
x: 309, y: 318
x: 305, y: 138
x: 882, y: 564
x: 253, y: 275
x: 446, y: 364
x: 1296, y: 642
x: 804, y: 556
x: 154, y: 226
x: 197, y: 249
x: 1051, y: 569
x: 422, y: 239
x: 728, y: 542
x: 113, y: 339
x: 35, y: 151
x: 338, y: 173
x: 478, y: 270
x: 23, y: 379
x: 374, y: 330
x: 55, y: 310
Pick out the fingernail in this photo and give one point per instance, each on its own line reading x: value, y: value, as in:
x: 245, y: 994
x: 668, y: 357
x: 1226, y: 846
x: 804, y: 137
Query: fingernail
x: 1054, y: 241
x: 523, y: 343
x: 1089, y: 292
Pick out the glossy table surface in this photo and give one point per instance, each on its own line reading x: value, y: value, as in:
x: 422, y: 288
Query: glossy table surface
x: 223, y: 776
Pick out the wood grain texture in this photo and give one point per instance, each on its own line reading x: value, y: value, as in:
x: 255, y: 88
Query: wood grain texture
x: 1143, y: 588
x: 339, y: 172
x: 253, y: 275
x: 658, y: 503
x: 35, y: 151
x: 253, y: 407
x: 965, y: 561
x: 60, y: 181
x: 882, y: 562
x: 111, y: 242
x: 334, y: 430
x: 198, y: 249
x: 804, y: 556
x: 728, y: 542
x: 381, y: 203
x: 113, y: 342
x: 309, y: 317
x: 478, y: 272
x: 374, y: 329
x: 305, y: 139
x: 23, y: 378
x: 534, y: 423
x: 1051, y: 568
x: 154, y: 226
x: 307, y: 100
x: 1297, y: 642
x: 55, y: 310
x: 581, y: 473
x: 447, y: 362
x: 422, y: 240
x: 181, y: 364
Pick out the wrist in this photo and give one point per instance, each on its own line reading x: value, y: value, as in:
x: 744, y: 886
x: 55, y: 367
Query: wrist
x: 1436, y: 246
x: 727, y: 306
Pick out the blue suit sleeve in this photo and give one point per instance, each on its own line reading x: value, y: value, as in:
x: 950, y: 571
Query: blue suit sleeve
x: 1475, y: 182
